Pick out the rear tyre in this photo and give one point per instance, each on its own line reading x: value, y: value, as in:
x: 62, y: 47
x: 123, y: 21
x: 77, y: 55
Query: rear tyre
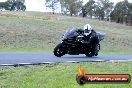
x: 59, y: 50
x: 89, y: 54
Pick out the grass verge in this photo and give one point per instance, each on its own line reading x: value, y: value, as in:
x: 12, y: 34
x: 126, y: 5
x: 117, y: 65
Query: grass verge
x: 38, y: 32
x: 60, y: 75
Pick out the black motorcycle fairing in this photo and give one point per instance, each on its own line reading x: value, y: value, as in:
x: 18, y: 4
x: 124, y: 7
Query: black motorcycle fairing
x: 70, y: 34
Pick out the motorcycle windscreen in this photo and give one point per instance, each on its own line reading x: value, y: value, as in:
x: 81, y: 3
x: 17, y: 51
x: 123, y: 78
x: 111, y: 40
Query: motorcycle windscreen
x: 71, y: 33
x: 101, y: 35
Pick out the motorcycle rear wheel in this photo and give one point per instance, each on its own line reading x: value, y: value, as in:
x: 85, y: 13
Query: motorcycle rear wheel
x: 89, y: 54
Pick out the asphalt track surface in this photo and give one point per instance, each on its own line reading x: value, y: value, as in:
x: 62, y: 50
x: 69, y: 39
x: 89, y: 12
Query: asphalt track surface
x: 11, y: 58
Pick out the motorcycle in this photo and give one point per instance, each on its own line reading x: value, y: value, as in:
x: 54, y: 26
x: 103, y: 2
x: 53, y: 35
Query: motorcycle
x: 72, y: 43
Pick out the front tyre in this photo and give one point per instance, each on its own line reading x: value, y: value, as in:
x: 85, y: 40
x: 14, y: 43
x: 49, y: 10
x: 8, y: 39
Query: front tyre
x: 59, y: 50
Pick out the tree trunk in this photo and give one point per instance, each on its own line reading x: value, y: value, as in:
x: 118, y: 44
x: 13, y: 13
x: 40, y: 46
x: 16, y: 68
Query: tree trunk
x: 71, y: 14
x: 53, y: 12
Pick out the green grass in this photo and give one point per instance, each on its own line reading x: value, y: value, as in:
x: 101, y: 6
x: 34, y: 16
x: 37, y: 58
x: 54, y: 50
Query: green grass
x: 40, y: 32
x: 25, y: 50
x: 60, y: 75
x: 115, y: 52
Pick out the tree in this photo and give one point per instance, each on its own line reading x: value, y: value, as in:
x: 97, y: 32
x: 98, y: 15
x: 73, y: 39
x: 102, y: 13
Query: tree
x: 129, y: 8
x: 17, y: 6
x: 52, y: 4
x: 122, y: 12
x: 98, y: 12
x: 13, y: 5
x: 89, y: 6
x: 121, y: 9
x: 73, y: 6
x: 11, y: 1
x: 84, y: 12
x: 105, y: 7
x: 7, y: 4
x: 16, y: 0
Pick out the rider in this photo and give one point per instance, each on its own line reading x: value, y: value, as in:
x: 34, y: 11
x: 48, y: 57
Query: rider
x: 90, y: 36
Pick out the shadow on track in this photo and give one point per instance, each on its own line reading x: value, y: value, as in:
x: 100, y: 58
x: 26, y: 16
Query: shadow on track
x: 76, y: 57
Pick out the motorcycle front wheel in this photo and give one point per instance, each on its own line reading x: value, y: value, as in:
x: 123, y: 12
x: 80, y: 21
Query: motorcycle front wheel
x: 59, y: 50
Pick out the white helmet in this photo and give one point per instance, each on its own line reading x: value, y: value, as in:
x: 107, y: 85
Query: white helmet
x: 87, y: 29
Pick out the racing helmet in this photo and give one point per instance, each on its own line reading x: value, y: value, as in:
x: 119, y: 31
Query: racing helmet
x: 87, y: 29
